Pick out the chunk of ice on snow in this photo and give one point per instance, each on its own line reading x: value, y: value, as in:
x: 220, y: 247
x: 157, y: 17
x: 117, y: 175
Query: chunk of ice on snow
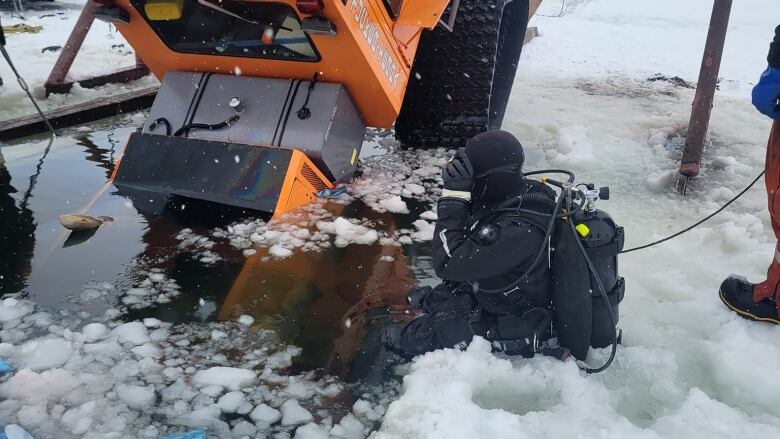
x: 348, y: 428
x: 136, y: 397
x: 244, y: 428
x: 311, y: 431
x: 231, y: 401
x: 294, y: 414
x: 229, y: 377
x: 148, y: 350
x: 264, y: 415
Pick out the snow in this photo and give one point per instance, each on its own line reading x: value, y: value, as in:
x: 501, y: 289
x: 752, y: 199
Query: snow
x: 103, y: 51
x: 228, y: 377
x: 294, y: 414
x: 688, y: 367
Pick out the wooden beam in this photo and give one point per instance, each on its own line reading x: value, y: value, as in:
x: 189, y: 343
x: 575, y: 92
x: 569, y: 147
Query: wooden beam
x: 79, y: 113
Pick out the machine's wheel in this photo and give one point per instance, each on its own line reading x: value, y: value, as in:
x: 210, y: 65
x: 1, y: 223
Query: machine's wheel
x: 461, y: 80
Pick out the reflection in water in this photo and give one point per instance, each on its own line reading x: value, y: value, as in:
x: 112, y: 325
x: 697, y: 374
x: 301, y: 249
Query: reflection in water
x: 332, y: 304
x: 17, y: 236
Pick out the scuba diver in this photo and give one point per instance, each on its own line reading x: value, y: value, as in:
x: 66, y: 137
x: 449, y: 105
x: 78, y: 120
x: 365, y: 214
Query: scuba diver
x: 760, y: 301
x: 483, y: 253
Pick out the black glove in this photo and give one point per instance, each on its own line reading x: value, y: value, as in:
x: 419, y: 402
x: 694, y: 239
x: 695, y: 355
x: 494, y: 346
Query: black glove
x: 774, y: 51
x: 458, y: 174
x: 2, y: 35
x: 417, y: 294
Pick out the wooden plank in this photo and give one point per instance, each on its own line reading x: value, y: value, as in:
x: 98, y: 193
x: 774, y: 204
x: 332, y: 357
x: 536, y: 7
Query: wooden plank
x: 89, y: 111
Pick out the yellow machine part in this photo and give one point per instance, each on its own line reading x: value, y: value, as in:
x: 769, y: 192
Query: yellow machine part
x: 162, y: 10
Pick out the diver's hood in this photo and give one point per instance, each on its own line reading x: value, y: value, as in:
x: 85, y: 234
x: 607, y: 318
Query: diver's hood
x: 497, y: 158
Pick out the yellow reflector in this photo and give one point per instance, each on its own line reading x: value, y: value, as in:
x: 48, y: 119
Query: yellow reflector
x: 582, y: 229
x: 162, y: 10
x: 354, y: 156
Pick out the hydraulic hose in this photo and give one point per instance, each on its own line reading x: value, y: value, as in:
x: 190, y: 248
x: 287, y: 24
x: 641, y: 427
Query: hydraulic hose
x: 205, y: 126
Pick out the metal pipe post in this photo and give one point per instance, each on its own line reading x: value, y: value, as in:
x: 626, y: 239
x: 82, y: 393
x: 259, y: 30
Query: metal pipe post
x: 72, y: 46
x: 705, y: 94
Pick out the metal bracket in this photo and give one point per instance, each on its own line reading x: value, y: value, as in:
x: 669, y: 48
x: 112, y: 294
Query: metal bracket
x: 450, y: 23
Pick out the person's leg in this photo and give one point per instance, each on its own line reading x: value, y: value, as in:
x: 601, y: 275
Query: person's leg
x: 759, y: 302
x: 448, y: 327
x: 768, y: 288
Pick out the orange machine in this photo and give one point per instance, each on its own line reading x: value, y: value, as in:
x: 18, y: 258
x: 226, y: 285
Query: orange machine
x: 310, y: 76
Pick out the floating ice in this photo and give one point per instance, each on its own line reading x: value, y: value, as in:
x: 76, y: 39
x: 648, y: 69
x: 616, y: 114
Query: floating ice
x: 231, y: 401
x: 294, y: 414
x: 133, y: 332
x: 264, y: 415
x: 11, y: 309
x: 246, y: 320
x: 228, y: 377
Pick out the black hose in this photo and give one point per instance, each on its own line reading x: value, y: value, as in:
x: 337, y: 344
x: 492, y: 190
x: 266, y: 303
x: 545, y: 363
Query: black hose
x: 164, y: 121
x: 205, y: 126
x: 688, y: 229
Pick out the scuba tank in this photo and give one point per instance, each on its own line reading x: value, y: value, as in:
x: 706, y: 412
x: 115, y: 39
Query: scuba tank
x: 582, y: 318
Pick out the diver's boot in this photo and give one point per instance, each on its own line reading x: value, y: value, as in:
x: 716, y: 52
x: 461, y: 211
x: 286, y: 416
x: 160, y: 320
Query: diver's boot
x: 737, y: 294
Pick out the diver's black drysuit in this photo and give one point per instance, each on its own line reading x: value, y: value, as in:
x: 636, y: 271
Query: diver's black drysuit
x: 476, y: 248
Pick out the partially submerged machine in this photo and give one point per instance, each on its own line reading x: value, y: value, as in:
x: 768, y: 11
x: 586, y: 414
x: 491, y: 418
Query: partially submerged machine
x: 265, y: 103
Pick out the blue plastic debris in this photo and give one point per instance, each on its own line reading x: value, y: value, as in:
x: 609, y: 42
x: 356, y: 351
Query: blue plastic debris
x: 194, y: 434
x: 332, y: 193
x: 5, y: 367
x: 13, y: 431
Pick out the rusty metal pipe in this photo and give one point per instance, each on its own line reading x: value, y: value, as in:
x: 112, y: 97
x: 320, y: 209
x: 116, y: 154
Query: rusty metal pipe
x: 705, y: 93
x: 72, y: 47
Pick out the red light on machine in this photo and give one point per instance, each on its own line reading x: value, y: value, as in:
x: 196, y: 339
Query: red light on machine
x: 311, y: 7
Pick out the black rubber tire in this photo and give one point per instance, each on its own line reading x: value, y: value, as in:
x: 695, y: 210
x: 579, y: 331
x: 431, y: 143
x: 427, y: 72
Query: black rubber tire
x: 461, y: 80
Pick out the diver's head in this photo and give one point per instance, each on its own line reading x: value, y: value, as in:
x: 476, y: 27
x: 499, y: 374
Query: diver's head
x: 497, y: 158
